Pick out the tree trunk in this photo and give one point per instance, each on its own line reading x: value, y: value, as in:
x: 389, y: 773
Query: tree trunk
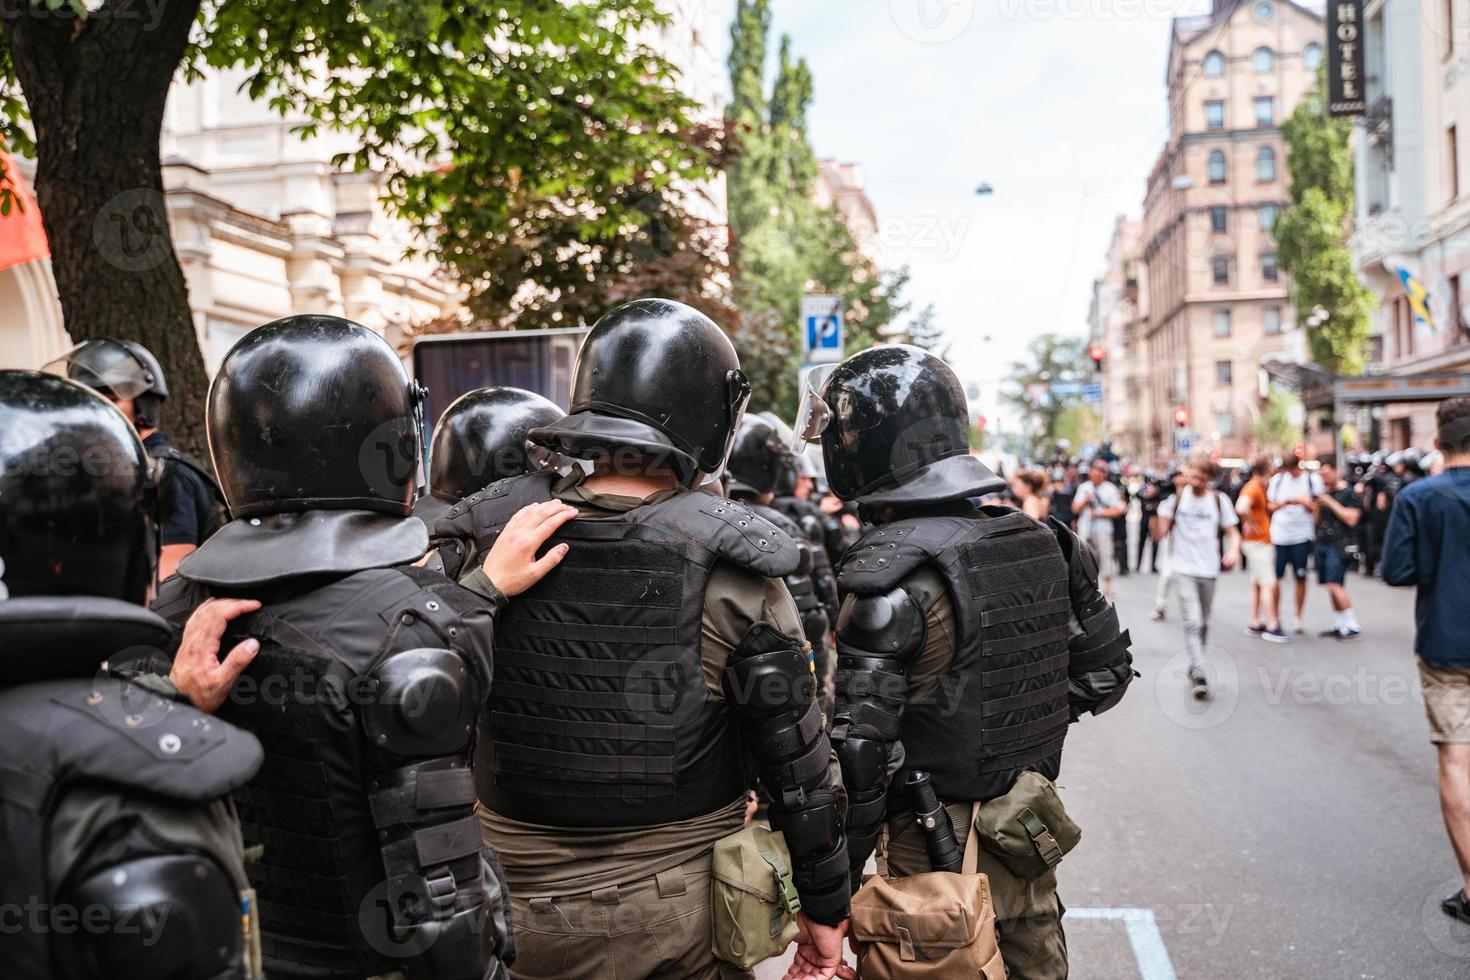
x: 96, y: 89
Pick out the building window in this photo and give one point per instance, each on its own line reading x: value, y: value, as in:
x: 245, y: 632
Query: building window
x: 1269, y: 272
x: 1312, y: 56
x: 1220, y: 269
x: 1265, y: 111
x: 1217, y: 167
x: 1222, y: 323
x: 1214, y: 64
x: 1224, y: 375
x: 1263, y: 11
x: 1214, y: 114
x: 1263, y: 60
x: 1266, y: 213
x: 1456, y: 322
x: 1218, y: 219
x: 1225, y: 424
x: 1271, y: 319
x: 1452, y: 140
x: 1265, y: 165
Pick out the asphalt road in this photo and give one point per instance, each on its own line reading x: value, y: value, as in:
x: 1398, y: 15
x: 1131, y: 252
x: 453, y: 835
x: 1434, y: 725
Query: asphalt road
x: 1288, y: 828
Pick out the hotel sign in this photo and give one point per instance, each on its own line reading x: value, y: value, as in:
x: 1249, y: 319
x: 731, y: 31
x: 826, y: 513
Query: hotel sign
x: 1345, y: 74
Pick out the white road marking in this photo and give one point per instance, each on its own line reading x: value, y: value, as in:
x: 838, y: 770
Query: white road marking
x: 1143, y: 936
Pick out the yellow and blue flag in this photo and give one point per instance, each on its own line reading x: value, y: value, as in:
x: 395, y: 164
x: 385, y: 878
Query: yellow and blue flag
x: 1418, y: 297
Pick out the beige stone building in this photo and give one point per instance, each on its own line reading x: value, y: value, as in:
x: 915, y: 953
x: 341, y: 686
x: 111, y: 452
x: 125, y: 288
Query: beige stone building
x: 844, y: 188
x: 1118, y: 319
x: 1217, y: 304
x: 1413, y: 195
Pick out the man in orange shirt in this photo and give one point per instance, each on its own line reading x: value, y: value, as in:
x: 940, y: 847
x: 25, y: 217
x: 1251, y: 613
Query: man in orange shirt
x: 1260, y: 555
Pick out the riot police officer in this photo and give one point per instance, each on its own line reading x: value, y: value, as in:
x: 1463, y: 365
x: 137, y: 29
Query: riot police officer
x: 190, y: 503
x: 824, y: 530
x: 969, y: 638
x: 370, y: 672
x: 756, y: 461
x: 641, y: 685
x: 113, y: 797
x: 480, y: 438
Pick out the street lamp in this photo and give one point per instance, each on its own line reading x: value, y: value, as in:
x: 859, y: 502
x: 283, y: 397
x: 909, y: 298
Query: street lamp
x: 984, y: 190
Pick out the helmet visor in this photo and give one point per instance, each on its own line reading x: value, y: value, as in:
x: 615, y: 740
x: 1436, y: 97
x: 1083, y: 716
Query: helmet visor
x: 104, y: 366
x: 812, y: 412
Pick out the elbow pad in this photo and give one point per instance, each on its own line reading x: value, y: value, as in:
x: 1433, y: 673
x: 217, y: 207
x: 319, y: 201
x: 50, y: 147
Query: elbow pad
x: 177, y: 915
x: 876, y: 637
x: 1101, y: 664
x: 772, y: 689
x: 438, y: 896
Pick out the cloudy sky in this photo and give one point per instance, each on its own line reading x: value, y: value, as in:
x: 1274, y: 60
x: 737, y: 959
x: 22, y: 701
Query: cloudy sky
x: 1058, y: 104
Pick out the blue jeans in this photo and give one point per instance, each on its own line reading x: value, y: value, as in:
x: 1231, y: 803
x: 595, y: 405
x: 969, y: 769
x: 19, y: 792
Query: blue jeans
x: 1331, y: 565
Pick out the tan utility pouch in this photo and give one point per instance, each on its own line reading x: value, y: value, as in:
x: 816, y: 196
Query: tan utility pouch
x: 935, y: 925
x: 1028, y: 829
x: 753, y: 899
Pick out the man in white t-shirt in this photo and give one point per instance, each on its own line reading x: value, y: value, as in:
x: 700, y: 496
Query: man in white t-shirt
x: 1291, y: 499
x: 1193, y: 521
x: 1097, y: 504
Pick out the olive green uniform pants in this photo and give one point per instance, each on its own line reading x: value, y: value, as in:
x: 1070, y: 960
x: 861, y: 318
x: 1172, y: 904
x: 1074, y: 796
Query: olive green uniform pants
x: 654, y: 929
x: 1028, y: 913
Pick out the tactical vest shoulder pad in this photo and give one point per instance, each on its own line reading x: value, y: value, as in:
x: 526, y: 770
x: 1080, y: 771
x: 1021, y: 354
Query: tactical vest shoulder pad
x: 885, y: 555
x: 727, y: 529
x: 109, y: 730
x: 483, y: 513
x: 805, y: 559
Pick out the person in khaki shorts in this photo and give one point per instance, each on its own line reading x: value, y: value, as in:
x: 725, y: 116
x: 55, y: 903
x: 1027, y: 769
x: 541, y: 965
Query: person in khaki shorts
x: 1260, y: 554
x: 1425, y: 548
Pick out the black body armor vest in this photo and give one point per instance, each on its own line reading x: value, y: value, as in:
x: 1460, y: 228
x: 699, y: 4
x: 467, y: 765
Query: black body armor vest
x: 93, y: 731
x: 1002, y: 707
x: 327, y: 813
x: 600, y: 715
x: 801, y: 583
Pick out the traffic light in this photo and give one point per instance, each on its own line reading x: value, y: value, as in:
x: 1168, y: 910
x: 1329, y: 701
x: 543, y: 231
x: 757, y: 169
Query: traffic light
x: 1097, y: 353
x: 1181, y: 418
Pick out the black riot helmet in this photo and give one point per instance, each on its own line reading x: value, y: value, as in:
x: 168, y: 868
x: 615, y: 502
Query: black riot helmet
x: 759, y: 458
x: 315, y: 413
x: 120, y: 369
x: 482, y: 437
x: 898, y: 432
x: 655, y: 378
x: 76, y: 502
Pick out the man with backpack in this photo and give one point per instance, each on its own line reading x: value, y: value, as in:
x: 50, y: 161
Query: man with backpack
x: 1291, y: 498
x: 1195, y: 520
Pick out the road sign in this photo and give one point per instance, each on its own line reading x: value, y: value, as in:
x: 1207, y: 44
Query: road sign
x: 1066, y: 389
x: 1092, y: 393
x: 821, y: 323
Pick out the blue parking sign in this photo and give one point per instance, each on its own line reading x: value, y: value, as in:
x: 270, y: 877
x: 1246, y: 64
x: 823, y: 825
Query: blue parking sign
x: 821, y: 319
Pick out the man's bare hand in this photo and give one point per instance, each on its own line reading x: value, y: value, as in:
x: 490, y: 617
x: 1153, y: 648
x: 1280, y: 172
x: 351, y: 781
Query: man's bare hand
x: 512, y: 565
x: 198, y: 671
x: 819, y: 952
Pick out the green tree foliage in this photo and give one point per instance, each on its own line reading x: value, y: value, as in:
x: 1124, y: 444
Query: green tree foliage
x: 1049, y: 357
x: 783, y: 243
x: 1312, y: 234
x: 481, y: 120
x: 1274, y: 430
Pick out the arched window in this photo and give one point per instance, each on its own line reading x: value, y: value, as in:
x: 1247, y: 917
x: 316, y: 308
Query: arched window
x: 1217, y: 167
x: 1263, y: 60
x: 1214, y: 64
x: 1312, y: 56
x: 1265, y: 164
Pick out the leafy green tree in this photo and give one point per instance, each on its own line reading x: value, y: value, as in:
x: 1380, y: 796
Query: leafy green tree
x: 1274, y: 430
x: 1312, y: 235
x: 1049, y: 357
x: 465, y: 111
x: 783, y: 243
x: 924, y: 331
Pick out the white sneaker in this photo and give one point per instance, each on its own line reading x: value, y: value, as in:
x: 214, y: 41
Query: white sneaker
x: 1297, y: 626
